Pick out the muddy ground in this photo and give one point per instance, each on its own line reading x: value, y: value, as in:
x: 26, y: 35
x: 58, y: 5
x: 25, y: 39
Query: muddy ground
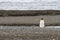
x: 28, y: 33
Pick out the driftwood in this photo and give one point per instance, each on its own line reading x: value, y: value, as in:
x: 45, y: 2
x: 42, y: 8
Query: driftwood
x: 28, y: 12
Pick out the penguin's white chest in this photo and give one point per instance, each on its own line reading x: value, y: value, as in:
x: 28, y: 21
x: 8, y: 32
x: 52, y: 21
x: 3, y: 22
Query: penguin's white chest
x: 42, y: 23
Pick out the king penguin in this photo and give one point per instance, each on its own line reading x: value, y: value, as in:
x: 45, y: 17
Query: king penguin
x: 42, y: 24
